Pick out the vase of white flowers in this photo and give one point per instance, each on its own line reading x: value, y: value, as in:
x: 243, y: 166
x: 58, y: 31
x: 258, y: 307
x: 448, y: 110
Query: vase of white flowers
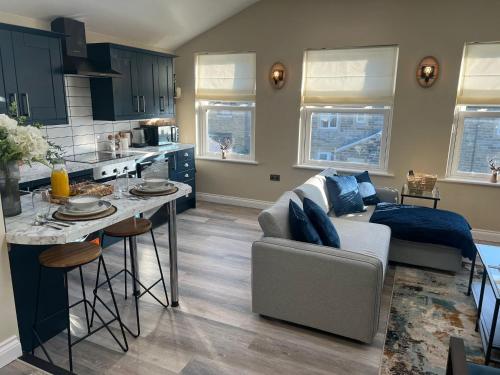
x: 19, y: 144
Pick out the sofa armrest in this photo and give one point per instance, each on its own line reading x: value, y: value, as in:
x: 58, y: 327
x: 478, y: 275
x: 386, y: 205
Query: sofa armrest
x: 386, y: 194
x: 330, y: 289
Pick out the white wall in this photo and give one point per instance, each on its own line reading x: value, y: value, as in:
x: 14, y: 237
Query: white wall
x: 10, y: 347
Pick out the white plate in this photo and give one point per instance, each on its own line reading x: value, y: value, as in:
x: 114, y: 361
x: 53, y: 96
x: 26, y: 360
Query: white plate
x: 103, y: 206
x: 148, y: 189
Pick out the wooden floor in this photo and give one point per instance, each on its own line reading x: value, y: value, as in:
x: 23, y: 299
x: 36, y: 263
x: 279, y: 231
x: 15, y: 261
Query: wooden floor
x: 213, y: 331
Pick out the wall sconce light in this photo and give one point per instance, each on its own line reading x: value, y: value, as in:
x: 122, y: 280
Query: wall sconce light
x: 427, y: 71
x: 277, y: 75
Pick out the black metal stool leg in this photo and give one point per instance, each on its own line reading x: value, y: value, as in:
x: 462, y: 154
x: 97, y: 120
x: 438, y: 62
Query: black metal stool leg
x: 159, y: 266
x: 68, y: 324
x: 35, y: 333
x: 95, y: 293
x: 135, y: 289
x: 101, y: 259
x: 85, y: 298
x: 125, y: 264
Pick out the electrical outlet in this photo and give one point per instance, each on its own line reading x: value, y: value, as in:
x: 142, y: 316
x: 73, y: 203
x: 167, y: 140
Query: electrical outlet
x: 274, y: 177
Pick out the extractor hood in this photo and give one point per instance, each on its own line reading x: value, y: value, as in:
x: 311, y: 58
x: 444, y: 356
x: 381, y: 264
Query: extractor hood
x: 74, y: 47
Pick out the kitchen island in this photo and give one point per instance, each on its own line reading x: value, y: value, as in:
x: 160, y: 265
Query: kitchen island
x: 27, y: 241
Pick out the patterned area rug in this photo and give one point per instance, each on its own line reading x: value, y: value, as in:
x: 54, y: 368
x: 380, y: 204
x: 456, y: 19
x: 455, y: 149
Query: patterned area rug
x: 427, y: 308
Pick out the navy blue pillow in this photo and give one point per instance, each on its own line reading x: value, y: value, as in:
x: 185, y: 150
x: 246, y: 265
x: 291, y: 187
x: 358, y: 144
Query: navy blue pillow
x: 301, y: 227
x: 367, y: 189
x: 344, y: 195
x: 321, y: 223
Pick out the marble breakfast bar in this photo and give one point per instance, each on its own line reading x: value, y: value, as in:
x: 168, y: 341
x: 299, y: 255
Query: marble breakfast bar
x: 27, y: 241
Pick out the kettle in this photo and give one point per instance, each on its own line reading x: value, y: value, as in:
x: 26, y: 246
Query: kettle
x: 138, y: 138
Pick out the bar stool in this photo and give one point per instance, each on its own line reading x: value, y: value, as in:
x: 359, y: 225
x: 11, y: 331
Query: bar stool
x: 68, y: 257
x: 130, y: 229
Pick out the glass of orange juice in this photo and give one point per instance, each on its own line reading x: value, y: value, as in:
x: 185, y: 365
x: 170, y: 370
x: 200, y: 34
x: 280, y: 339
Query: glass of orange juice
x: 59, y: 180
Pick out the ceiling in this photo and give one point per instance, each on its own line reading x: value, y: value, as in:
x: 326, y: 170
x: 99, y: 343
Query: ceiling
x: 162, y: 24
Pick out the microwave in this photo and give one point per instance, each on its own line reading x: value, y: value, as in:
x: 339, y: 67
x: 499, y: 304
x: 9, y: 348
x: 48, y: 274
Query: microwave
x: 161, y: 135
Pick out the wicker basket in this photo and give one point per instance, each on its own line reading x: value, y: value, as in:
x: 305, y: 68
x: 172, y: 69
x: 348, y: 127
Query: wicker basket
x: 420, y: 182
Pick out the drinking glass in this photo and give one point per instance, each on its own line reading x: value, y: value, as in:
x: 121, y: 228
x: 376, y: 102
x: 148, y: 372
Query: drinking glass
x: 121, y: 185
x: 40, y: 199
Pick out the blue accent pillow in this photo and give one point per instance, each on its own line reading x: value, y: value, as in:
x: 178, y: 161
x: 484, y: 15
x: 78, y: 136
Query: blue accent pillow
x: 321, y: 223
x: 301, y: 227
x: 367, y: 189
x: 344, y: 195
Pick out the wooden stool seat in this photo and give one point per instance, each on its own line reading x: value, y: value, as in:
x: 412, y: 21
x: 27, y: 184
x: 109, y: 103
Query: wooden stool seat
x: 129, y: 228
x: 70, y: 255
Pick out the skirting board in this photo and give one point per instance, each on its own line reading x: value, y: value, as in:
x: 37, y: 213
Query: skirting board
x: 10, y: 350
x: 233, y: 201
x: 478, y: 234
x: 486, y: 235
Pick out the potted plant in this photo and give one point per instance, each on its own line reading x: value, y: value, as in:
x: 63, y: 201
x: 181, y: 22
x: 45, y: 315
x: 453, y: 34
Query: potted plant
x: 20, y: 143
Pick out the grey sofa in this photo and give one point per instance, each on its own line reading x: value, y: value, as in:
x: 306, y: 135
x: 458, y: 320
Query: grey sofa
x: 334, y: 290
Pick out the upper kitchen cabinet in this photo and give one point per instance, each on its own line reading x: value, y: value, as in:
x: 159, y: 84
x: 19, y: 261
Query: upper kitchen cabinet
x: 32, y: 74
x: 143, y: 90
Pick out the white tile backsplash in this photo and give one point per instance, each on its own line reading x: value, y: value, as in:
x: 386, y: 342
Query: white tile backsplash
x: 83, y: 134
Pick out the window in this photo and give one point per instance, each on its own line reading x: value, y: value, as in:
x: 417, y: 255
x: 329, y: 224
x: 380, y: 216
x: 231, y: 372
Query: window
x: 351, y: 91
x: 475, y: 135
x: 225, y: 104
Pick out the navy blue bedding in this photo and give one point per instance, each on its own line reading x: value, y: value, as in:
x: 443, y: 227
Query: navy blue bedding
x: 423, y: 224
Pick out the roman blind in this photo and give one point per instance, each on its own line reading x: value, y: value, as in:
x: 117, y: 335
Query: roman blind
x: 350, y: 76
x: 229, y: 76
x: 480, y: 75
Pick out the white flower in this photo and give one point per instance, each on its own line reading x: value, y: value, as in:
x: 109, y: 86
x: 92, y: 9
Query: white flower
x: 7, y: 122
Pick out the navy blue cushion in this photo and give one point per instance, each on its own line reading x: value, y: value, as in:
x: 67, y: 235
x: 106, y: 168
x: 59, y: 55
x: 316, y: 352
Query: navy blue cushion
x: 344, y: 195
x: 367, y: 189
x: 321, y: 223
x: 301, y: 227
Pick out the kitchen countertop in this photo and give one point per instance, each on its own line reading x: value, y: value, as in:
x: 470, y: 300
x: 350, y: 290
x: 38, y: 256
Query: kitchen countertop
x: 39, y: 171
x: 19, y: 229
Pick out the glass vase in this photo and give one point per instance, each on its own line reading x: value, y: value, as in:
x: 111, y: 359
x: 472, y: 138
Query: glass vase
x: 9, y: 188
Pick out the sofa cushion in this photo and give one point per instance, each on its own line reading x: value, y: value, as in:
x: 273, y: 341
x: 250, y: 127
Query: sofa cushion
x: 301, y: 227
x: 366, y: 238
x: 367, y: 189
x: 321, y: 223
x: 315, y: 189
x: 344, y: 195
x: 274, y: 220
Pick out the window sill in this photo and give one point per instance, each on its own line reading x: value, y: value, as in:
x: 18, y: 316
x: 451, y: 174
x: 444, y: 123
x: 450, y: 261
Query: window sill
x: 458, y: 180
x: 346, y: 170
x: 242, y: 161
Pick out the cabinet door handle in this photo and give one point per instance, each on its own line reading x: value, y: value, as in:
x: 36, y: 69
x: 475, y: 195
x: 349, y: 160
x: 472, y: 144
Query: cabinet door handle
x: 186, y: 154
x: 138, y: 104
x: 13, y: 99
x: 143, y: 104
x: 186, y: 165
x: 186, y: 175
x: 162, y: 103
x: 26, y: 105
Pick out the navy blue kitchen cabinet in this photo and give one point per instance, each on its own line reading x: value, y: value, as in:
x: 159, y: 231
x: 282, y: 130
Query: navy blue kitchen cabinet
x: 144, y: 90
x: 182, y: 169
x: 32, y: 74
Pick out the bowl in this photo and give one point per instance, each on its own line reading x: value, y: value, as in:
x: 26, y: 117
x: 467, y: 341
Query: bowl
x: 83, y: 202
x: 155, y: 182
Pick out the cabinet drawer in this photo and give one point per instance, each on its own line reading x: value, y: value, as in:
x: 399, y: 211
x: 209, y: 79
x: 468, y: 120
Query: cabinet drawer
x: 184, y: 165
x: 184, y: 176
x: 186, y: 155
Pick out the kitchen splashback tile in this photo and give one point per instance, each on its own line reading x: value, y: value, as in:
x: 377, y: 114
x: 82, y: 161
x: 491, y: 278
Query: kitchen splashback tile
x: 83, y: 130
x: 77, y: 81
x: 103, y: 127
x: 81, y: 120
x: 82, y: 149
x: 59, y: 131
x: 77, y: 91
x: 83, y: 139
x: 79, y: 101
x: 121, y: 126
x: 80, y: 111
